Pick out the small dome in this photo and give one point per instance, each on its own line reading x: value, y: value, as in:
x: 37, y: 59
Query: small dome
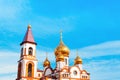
x: 46, y: 63
x: 62, y: 49
x: 78, y: 60
x: 59, y: 57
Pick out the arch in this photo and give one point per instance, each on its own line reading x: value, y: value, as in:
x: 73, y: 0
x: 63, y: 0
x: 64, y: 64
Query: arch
x: 30, y: 69
x: 30, y: 51
x: 19, y: 70
x: 21, y: 52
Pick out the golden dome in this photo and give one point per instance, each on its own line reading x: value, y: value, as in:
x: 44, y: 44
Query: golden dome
x: 62, y: 48
x: 78, y: 60
x: 46, y: 63
x: 60, y: 57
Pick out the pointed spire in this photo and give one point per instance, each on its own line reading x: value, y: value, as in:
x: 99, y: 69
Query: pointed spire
x: 28, y: 38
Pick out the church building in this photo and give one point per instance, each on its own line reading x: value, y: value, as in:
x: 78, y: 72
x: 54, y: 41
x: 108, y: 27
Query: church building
x: 28, y: 63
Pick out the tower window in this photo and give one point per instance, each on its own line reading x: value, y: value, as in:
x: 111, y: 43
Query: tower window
x: 19, y: 70
x: 38, y: 75
x: 30, y: 51
x: 66, y: 61
x: 21, y: 52
x: 30, y: 70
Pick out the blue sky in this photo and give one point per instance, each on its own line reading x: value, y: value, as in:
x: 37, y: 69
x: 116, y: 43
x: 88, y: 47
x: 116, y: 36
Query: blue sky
x: 91, y: 26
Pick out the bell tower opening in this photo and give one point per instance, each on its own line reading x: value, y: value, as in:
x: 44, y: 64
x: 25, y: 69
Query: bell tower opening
x: 29, y: 70
x: 30, y: 51
x: 21, y: 52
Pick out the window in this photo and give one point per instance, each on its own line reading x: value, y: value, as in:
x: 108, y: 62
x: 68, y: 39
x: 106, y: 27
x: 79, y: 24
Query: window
x: 30, y: 51
x: 84, y: 77
x: 38, y: 75
x: 19, y: 70
x: 21, y: 52
x: 75, y: 72
x: 30, y: 70
x: 66, y: 61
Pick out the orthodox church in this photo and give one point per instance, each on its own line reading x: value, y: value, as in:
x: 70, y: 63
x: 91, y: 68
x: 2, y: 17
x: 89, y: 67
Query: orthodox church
x: 28, y: 69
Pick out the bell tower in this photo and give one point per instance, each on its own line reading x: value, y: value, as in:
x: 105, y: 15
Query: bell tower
x: 27, y: 65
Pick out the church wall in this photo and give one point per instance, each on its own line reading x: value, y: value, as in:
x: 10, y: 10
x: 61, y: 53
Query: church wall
x: 60, y: 65
x: 74, y: 72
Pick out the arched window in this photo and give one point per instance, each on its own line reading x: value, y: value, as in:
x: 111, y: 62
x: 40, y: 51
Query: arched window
x: 38, y: 75
x: 66, y: 61
x: 19, y: 70
x: 30, y: 70
x: 21, y: 52
x: 30, y: 51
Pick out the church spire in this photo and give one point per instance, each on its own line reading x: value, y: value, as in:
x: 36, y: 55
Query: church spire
x: 28, y: 38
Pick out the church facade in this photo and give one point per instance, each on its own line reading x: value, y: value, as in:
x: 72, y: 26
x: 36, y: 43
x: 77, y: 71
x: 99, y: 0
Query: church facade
x: 27, y: 65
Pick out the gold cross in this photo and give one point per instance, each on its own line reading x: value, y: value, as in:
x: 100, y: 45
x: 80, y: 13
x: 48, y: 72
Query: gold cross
x: 77, y: 52
x: 61, y: 35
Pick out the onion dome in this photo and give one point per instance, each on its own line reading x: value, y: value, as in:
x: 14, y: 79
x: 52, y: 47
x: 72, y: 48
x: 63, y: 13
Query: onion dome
x: 64, y: 50
x: 78, y: 60
x: 60, y: 57
x: 46, y: 62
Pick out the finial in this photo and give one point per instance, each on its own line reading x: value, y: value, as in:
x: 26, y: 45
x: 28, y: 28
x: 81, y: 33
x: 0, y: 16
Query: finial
x: 60, y: 35
x: 29, y: 26
x: 77, y: 53
x: 46, y: 55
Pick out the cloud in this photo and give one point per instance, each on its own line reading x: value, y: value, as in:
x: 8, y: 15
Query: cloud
x: 100, y: 70
x: 20, y: 12
x: 8, y: 67
x: 53, y: 25
x: 106, y: 48
x: 96, y: 59
x: 11, y: 9
x: 8, y: 77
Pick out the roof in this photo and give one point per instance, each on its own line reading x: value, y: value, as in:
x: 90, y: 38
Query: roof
x: 28, y: 38
x: 38, y: 70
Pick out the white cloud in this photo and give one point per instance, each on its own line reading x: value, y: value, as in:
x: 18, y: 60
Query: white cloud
x: 9, y: 60
x: 10, y: 9
x: 53, y: 25
x: 106, y: 48
x: 8, y: 77
x: 104, y: 69
x: 19, y: 12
